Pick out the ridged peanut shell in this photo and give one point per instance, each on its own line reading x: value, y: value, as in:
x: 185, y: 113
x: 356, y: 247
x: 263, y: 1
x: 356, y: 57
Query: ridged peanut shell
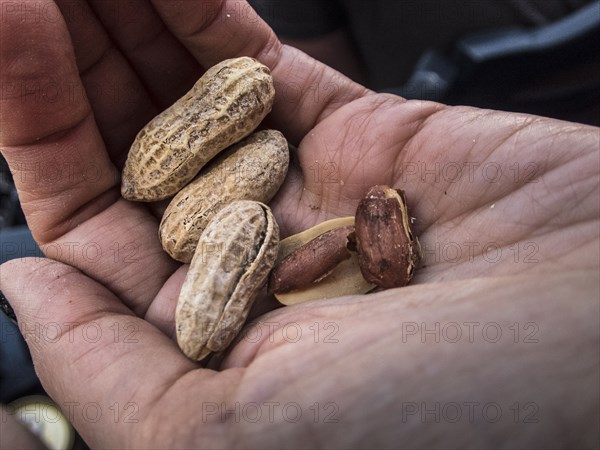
x: 232, y: 262
x: 226, y: 104
x: 253, y: 169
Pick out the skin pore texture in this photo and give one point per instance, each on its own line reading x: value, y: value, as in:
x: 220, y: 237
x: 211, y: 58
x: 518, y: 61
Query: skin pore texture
x: 523, y: 210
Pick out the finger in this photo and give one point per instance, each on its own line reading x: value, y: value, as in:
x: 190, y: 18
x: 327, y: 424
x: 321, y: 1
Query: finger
x: 104, y: 366
x: 33, y: 67
x: 15, y: 435
x: 68, y: 187
x: 41, y: 134
x: 120, y: 102
x: 161, y: 312
x: 306, y: 90
x: 162, y: 63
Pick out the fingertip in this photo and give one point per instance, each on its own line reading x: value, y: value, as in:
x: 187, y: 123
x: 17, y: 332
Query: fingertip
x: 87, y: 345
x: 306, y: 89
x: 13, y: 271
x: 41, y: 290
x: 40, y: 81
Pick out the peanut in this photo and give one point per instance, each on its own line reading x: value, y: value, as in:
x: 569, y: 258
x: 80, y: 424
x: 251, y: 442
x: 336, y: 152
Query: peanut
x: 235, y: 253
x: 352, y: 255
x: 387, y: 251
x: 226, y: 104
x: 253, y: 169
x: 343, y: 279
x: 313, y: 261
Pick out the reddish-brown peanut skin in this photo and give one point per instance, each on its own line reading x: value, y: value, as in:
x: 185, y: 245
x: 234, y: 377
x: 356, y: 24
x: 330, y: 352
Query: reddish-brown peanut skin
x: 387, y: 251
x: 312, y: 261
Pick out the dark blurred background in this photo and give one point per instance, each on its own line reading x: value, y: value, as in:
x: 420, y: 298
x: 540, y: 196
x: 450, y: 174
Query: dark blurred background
x: 534, y: 56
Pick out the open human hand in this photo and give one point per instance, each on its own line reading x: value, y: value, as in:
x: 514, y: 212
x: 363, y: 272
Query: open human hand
x: 504, y: 205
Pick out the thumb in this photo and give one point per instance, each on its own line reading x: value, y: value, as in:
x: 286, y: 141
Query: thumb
x: 102, y: 364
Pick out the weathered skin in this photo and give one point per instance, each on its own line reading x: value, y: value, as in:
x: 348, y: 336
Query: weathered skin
x: 226, y: 104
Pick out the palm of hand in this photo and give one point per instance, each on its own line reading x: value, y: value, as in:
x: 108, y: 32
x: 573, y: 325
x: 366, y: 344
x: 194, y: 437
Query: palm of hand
x: 470, y: 177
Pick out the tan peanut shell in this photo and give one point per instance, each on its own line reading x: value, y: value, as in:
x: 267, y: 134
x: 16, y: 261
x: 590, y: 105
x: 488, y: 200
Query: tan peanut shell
x: 226, y: 104
x: 253, y: 169
x: 234, y: 256
x: 345, y: 279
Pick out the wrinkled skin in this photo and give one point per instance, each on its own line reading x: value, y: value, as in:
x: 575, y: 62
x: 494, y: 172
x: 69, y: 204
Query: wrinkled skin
x: 367, y: 368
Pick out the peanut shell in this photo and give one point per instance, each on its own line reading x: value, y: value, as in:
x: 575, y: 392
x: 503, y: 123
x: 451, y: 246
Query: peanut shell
x: 252, y: 169
x: 226, y: 104
x: 231, y: 263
